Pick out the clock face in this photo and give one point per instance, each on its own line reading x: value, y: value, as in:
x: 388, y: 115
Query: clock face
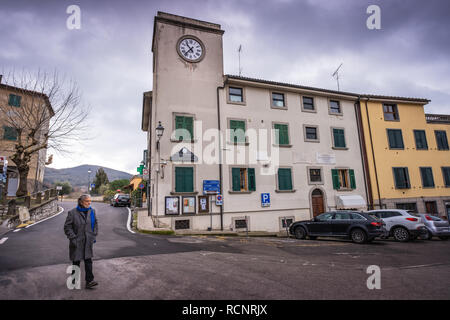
x: 190, y: 49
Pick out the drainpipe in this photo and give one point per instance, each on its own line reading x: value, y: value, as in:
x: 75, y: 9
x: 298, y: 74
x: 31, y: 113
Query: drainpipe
x: 373, y: 154
x: 220, y: 149
x: 363, y: 150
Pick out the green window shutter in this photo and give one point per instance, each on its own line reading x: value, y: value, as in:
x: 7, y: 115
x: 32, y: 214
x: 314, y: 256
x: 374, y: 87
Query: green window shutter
x: 283, y: 137
x: 335, y: 177
x: 14, y: 100
x: 284, y: 179
x: 441, y: 140
x: 236, y: 179
x: 351, y: 173
x: 189, y: 126
x: 421, y: 139
x: 399, y: 139
x: 251, y: 179
x: 395, y: 138
x: 179, y: 124
x: 10, y: 133
x: 184, y: 179
x: 237, y: 130
x: 339, y: 138
x: 427, y: 177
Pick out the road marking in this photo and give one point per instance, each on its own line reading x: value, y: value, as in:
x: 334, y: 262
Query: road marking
x: 17, y: 230
x: 3, y: 240
x: 62, y: 210
x: 129, y: 220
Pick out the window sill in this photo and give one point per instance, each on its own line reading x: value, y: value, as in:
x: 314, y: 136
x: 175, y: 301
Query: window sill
x: 183, y: 193
x: 282, y: 145
x: 395, y: 120
x: 315, y: 183
x: 338, y: 148
x: 240, y: 192
x: 310, y: 111
x: 186, y: 141
x: 285, y: 191
x: 345, y: 189
x: 396, y: 148
x: 237, y: 143
x: 335, y: 114
x: 279, y: 108
x: 236, y: 102
x: 312, y: 140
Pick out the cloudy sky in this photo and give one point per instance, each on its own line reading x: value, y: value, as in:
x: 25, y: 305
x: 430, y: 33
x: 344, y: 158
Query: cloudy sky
x: 300, y: 42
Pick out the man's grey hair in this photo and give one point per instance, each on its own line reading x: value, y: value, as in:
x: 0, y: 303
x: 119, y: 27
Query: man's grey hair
x: 82, y: 198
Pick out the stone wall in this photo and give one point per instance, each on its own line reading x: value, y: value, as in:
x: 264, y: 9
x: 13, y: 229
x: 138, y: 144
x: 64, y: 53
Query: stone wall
x: 43, y: 211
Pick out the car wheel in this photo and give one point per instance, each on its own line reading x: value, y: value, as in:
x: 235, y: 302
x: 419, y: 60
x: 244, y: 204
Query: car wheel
x: 401, y: 234
x: 427, y: 236
x: 443, y: 238
x: 300, y: 233
x: 358, y: 236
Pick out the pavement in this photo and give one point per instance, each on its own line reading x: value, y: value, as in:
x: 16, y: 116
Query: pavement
x: 33, y: 264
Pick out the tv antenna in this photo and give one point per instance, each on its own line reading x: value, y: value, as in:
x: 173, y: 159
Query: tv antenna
x: 336, y: 74
x: 239, y: 54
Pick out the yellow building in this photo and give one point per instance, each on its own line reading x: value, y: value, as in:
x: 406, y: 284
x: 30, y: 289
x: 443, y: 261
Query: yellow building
x: 407, y: 154
x: 135, y: 181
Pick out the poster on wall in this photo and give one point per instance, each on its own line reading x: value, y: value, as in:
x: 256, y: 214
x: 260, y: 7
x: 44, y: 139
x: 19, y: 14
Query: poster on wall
x: 203, y: 204
x: 188, y: 204
x: 172, y: 205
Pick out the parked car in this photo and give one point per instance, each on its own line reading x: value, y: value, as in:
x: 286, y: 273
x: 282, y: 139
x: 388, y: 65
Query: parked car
x: 436, y: 227
x: 400, y: 224
x: 121, y: 199
x: 357, y: 226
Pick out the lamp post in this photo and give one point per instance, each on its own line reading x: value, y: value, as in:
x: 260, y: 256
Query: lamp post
x: 159, y: 133
x: 89, y: 180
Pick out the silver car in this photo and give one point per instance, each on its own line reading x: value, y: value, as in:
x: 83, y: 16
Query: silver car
x: 436, y: 227
x: 400, y: 224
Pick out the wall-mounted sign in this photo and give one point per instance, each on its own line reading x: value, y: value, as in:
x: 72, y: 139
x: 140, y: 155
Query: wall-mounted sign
x: 219, y: 200
x: 203, y: 204
x: 324, y: 158
x: 211, y: 186
x: 172, y: 205
x: 188, y: 204
x: 265, y: 199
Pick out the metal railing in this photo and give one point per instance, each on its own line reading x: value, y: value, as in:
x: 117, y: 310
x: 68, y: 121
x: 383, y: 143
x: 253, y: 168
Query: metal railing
x: 437, y: 118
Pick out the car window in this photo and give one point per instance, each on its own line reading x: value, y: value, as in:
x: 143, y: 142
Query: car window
x: 435, y: 218
x: 325, y: 216
x: 395, y: 214
x: 342, y: 216
x: 357, y: 216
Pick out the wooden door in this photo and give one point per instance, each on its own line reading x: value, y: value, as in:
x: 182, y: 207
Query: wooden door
x: 317, y: 202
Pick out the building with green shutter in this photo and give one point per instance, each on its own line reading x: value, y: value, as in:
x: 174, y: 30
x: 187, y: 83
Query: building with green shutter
x: 311, y: 161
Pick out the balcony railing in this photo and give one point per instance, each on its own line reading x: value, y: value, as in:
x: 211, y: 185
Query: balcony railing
x: 437, y: 118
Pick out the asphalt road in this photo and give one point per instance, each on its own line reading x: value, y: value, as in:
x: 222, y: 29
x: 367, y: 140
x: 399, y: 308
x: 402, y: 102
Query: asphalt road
x: 33, y: 265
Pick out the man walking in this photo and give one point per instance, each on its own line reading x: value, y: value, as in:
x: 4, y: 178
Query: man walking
x: 81, y: 229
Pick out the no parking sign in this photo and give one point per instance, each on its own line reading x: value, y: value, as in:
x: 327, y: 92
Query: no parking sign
x: 219, y: 200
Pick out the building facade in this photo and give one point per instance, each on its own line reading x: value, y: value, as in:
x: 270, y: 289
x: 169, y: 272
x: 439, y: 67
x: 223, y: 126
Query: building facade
x: 408, y: 155
x: 20, y: 101
x: 278, y: 152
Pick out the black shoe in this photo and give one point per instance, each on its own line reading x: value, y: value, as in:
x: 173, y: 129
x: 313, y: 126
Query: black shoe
x: 91, y: 284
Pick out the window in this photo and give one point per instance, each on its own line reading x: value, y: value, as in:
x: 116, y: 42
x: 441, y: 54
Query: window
x: 431, y: 207
x: 315, y: 175
x: 421, y: 140
x: 243, y: 179
x: 390, y: 112
x: 237, y: 131
x: 335, y: 107
x: 284, y: 179
x: 427, y: 177
x: 401, y: 178
x: 184, y: 128
x: 343, y: 179
x: 357, y: 216
x: 338, y: 138
x: 286, y: 222
x: 389, y: 214
x: 411, y: 206
x: 283, y: 134
x: 311, y: 133
x: 235, y: 94
x: 308, y: 104
x: 325, y: 216
x: 184, y: 179
x: 441, y: 139
x: 10, y: 133
x: 14, y: 100
x: 446, y: 176
x: 342, y: 216
x: 395, y: 138
x: 278, y: 100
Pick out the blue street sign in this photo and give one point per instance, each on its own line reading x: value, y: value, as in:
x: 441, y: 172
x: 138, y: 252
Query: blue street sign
x: 141, y: 186
x: 211, y: 186
x: 265, y: 199
x: 92, y: 185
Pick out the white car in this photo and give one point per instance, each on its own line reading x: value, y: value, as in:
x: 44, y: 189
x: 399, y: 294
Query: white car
x: 400, y: 224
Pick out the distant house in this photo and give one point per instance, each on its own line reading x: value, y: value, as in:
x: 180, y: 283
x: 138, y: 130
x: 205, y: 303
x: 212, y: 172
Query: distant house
x: 17, y: 100
x: 135, y: 181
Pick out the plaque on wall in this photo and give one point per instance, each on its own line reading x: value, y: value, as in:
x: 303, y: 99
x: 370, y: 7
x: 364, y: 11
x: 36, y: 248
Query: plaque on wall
x: 172, y: 205
x: 203, y: 204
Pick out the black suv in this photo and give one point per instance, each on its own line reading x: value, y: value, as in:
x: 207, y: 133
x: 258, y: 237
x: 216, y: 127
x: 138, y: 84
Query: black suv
x: 121, y: 199
x: 357, y: 226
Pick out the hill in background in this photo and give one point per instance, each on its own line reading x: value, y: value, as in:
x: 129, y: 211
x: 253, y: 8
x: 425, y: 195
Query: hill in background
x: 78, y: 176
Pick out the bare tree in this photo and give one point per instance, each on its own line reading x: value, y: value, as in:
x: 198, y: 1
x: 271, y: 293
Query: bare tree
x: 49, y: 116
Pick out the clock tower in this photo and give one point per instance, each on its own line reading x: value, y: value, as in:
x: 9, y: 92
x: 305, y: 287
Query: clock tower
x: 187, y: 70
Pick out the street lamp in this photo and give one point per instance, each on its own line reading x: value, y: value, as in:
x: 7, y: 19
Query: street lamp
x: 159, y: 133
x: 89, y: 180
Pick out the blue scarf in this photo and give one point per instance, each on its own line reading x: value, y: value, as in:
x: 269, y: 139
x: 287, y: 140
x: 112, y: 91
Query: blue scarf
x: 92, y: 215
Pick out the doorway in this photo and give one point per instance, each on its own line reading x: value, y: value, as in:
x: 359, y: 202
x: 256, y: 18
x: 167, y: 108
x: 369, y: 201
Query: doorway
x: 317, y: 202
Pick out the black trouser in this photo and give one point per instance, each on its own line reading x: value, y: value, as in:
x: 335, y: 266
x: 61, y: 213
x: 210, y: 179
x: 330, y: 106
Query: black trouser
x: 87, y: 267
